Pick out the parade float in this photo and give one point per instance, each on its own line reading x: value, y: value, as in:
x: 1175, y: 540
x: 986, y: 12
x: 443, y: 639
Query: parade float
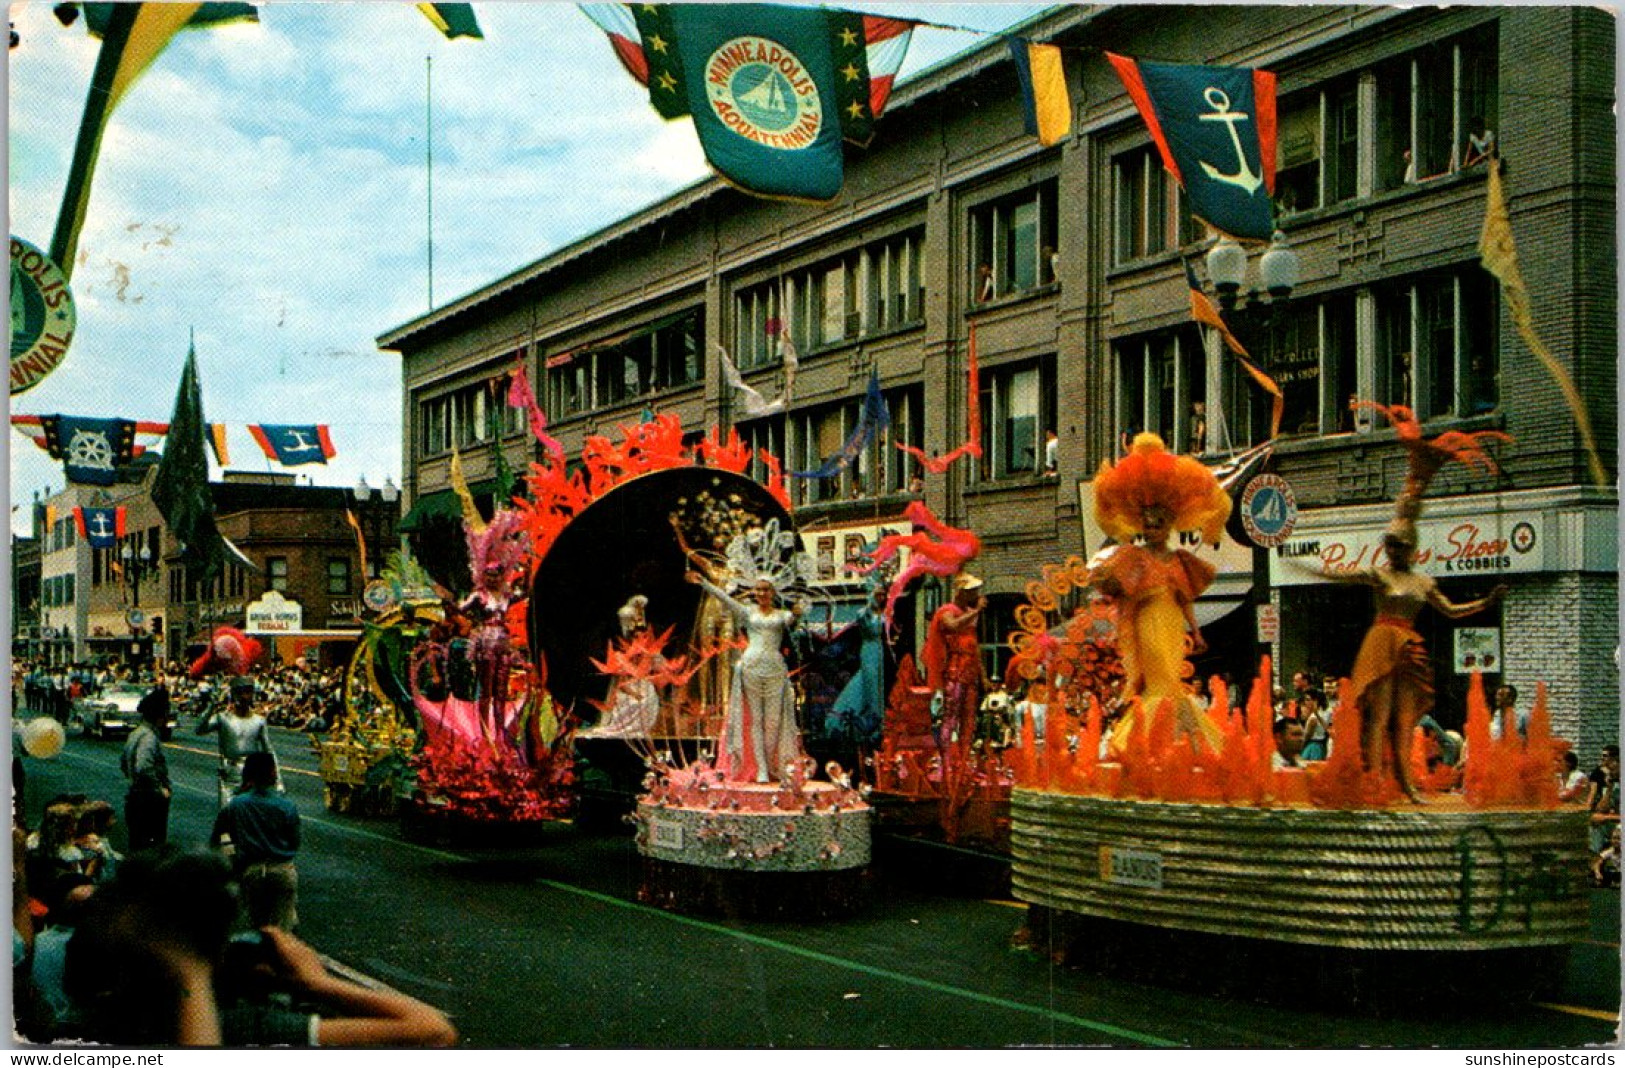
x: 665, y: 585
x: 1139, y: 809
x: 365, y: 756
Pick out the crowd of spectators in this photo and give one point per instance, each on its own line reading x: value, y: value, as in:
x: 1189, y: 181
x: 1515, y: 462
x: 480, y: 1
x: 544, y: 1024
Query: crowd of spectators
x: 289, y: 694
x: 166, y: 946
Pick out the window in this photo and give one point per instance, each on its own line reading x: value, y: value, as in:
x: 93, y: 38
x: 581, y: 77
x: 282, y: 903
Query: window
x: 1437, y: 343
x: 1151, y: 215
x: 1018, y: 405
x: 338, y: 576
x: 663, y: 355
x: 1013, y: 243
x: 867, y: 291
x: 276, y: 572
x: 1318, y: 148
x: 763, y: 435
x: 819, y: 433
x: 1162, y: 387
x: 1430, y: 102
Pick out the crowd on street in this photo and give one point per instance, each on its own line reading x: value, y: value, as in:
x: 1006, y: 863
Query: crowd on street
x: 172, y: 943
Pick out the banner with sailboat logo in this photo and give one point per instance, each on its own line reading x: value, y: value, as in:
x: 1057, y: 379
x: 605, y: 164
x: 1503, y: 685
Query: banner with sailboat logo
x: 772, y: 90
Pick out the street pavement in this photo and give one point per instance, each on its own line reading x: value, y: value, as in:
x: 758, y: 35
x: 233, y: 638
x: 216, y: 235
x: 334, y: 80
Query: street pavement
x: 543, y: 944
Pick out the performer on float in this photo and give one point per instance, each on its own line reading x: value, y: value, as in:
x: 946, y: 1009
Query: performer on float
x: 1150, y: 494
x: 634, y: 701
x: 495, y: 551
x: 953, y: 663
x: 759, y: 735
x: 1392, y: 683
x: 861, y: 707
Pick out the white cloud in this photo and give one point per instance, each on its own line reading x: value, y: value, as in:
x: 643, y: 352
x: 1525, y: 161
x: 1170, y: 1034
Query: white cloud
x: 264, y: 185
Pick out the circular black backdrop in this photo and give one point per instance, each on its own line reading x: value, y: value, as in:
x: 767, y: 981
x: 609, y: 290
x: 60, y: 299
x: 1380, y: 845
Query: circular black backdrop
x: 620, y: 545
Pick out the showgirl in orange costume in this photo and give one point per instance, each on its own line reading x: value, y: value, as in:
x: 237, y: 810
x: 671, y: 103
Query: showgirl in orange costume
x: 1392, y: 681
x: 1150, y: 494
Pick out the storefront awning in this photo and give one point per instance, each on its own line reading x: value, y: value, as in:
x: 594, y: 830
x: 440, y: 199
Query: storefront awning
x: 441, y: 503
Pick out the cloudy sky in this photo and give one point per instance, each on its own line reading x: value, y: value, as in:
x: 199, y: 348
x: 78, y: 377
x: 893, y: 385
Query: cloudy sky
x: 264, y: 186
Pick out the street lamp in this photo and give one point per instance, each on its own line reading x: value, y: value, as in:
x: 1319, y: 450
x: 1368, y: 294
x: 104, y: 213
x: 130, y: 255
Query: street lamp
x: 1278, y: 273
x: 135, y: 565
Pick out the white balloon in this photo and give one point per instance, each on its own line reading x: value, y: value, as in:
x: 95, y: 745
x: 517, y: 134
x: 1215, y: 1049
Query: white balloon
x: 43, y: 738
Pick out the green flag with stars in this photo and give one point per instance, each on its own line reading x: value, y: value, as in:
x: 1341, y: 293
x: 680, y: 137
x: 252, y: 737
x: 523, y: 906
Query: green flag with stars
x: 772, y: 91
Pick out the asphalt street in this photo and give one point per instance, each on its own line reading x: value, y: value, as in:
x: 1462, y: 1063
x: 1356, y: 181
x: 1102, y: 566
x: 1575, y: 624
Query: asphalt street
x: 543, y: 944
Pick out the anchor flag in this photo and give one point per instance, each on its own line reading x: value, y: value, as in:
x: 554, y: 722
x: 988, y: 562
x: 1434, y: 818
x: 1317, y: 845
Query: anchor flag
x: 91, y: 450
x: 1215, y: 128
x: 292, y: 446
x: 100, y: 527
x: 875, y: 419
x: 772, y: 90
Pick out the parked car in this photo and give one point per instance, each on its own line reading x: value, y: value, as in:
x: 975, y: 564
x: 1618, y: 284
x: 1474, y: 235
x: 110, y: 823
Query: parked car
x: 113, y: 711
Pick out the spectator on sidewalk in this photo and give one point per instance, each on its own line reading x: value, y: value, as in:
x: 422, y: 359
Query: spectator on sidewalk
x: 146, y: 804
x: 259, y: 829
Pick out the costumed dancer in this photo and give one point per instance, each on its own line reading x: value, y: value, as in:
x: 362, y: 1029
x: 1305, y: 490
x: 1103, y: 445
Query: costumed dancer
x: 953, y: 665
x: 759, y: 734
x: 495, y: 551
x: 634, y: 701
x: 1149, y: 494
x: 242, y: 730
x: 860, y: 709
x: 1392, y: 682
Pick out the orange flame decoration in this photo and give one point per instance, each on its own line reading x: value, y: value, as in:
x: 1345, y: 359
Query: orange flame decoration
x: 558, y: 496
x: 1158, y: 764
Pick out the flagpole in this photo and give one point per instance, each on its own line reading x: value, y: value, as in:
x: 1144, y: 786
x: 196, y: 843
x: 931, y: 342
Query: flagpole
x: 428, y: 159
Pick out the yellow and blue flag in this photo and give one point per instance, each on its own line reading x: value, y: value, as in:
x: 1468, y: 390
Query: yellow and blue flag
x: 132, y: 36
x: 1046, y: 105
x: 1215, y: 128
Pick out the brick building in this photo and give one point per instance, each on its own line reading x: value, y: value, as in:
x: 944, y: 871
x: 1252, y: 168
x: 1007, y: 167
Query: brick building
x: 1067, y: 262
x: 98, y: 604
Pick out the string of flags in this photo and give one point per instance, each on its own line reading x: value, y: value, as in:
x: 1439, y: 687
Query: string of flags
x: 93, y: 449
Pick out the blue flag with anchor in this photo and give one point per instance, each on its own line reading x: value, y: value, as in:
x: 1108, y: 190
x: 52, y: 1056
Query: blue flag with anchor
x: 91, y: 450
x: 874, y: 420
x: 1215, y: 128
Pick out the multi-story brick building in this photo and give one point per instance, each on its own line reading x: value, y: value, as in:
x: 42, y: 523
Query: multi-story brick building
x: 136, y: 600
x: 1067, y: 262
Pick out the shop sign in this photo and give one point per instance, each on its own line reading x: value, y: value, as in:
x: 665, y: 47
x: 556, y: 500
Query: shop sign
x: 1269, y: 624
x: 1446, y: 548
x: 274, y: 614
x: 1131, y: 867
x: 835, y: 548
x: 1478, y: 649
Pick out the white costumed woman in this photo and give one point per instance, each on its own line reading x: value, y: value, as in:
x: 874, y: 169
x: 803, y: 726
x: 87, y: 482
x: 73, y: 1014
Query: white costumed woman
x: 759, y: 733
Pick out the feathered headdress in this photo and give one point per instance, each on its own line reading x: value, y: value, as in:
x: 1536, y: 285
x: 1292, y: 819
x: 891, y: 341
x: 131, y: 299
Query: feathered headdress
x: 769, y: 553
x: 1425, y: 458
x: 1151, y: 475
x: 502, y: 543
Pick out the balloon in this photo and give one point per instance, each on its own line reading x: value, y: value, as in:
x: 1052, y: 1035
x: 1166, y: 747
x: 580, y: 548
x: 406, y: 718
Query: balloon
x: 43, y: 737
